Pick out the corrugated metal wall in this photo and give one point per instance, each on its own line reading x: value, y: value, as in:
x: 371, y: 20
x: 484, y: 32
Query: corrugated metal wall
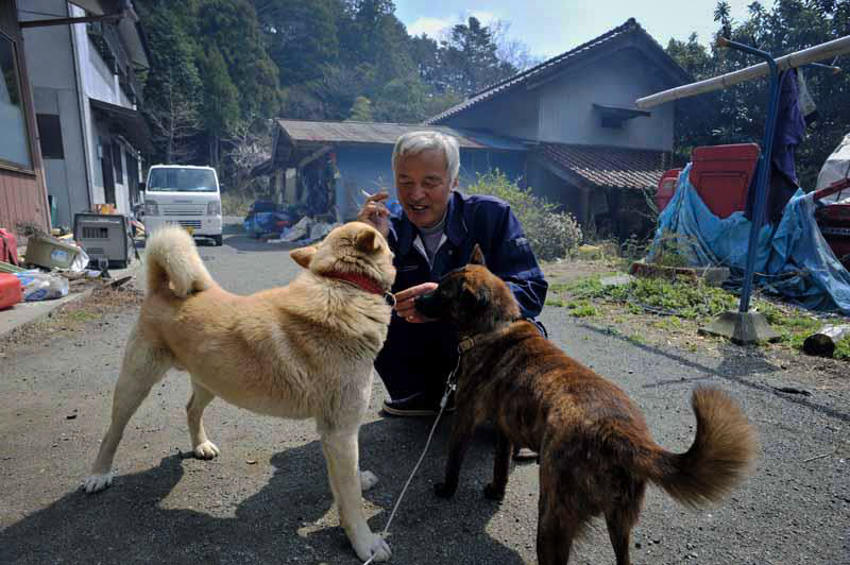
x: 23, y: 197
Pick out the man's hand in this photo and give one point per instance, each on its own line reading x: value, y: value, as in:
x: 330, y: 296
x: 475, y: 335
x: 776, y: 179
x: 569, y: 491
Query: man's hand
x: 375, y: 212
x: 404, y: 302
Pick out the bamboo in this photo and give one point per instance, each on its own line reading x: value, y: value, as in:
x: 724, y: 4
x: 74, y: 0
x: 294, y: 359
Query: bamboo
x: 826, y: 50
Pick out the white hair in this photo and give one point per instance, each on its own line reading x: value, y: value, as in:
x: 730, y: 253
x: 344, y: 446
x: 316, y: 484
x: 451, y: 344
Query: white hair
x: 415, y: 142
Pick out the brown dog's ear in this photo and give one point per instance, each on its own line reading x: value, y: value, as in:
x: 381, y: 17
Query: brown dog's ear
x: 477, y: 256
x: 303, y: 255
x: 367, y: 241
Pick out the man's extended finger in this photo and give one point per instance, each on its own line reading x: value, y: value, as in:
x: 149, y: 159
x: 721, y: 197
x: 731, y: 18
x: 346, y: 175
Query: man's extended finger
x: 378, y: 197
x: 378, y: 209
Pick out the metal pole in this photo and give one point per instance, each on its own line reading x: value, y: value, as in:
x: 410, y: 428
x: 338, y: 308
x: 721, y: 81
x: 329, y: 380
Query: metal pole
x: 826, y: 50
x: 763, y: 174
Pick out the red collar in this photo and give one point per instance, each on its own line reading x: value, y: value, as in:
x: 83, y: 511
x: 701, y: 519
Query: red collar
x: 362, y: 282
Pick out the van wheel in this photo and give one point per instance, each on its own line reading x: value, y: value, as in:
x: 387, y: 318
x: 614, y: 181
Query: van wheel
x: 218, y: 240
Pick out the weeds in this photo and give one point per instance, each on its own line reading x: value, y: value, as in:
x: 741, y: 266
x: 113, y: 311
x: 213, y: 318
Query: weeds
x: 551, y: 234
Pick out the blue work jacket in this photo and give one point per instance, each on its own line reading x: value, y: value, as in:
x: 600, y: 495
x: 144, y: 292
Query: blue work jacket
x: 418, y: 353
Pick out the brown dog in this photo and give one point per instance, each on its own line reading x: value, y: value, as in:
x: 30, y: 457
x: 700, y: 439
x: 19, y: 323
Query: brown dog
x: 596, y: 453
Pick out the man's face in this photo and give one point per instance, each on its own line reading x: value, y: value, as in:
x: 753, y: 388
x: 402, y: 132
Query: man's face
x: 423, y: 186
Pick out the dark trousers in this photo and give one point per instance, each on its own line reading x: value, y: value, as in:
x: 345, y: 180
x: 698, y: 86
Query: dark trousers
x: 417, y: 358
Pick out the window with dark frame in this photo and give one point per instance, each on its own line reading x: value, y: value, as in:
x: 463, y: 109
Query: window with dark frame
x: 14, y: 141
x: 50, y: 136
x: 118, y: 162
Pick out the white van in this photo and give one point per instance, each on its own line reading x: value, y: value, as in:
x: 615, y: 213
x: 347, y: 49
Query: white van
x: 186, y: 195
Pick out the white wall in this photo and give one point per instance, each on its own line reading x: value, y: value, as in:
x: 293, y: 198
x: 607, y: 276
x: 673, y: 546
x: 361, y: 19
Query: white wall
x: 566, y: 105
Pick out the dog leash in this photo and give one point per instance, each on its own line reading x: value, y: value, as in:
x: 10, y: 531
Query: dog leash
x: 451, y: 386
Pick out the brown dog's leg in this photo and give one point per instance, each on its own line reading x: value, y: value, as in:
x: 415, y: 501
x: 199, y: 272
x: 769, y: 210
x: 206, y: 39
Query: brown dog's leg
x: 501, y: 468
x: 462, y: 431
x: 556, y: 527
x: 621, y: 520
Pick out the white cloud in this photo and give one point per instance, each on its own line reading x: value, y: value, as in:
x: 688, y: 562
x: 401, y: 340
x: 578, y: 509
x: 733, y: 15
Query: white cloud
x: 432, y: 27
x: 437, y: 27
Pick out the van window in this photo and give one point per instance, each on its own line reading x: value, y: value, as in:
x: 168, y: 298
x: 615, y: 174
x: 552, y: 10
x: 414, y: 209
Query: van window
x: 181, y: 180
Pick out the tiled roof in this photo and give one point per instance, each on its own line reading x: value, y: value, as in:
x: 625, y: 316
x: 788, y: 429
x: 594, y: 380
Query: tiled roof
x: 386, y: 134
x: 546, y: 67
x: 612, y: 167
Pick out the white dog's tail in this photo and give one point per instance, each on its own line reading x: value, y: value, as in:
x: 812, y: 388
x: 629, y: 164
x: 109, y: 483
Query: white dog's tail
x: 173, y: 263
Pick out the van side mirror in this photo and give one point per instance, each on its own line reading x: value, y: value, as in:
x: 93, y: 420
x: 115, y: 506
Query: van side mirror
x: 142, y: 186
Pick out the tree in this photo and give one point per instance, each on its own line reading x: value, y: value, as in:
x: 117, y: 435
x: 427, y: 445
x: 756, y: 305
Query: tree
x: 220, y: 101
x: 361, y: 111
x: 469, y: 59
x: 302, y: 37
x: 231, y: 28
x: 737, y: 114
x: 173, y: 84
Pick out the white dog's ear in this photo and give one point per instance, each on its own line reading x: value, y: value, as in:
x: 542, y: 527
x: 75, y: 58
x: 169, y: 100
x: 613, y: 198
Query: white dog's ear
x: 303, y: 255
x: 367, y: 241
x: 477, y: 256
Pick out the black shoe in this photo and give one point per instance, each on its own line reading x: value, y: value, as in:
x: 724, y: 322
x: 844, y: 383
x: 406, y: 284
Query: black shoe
x: 416, y: 405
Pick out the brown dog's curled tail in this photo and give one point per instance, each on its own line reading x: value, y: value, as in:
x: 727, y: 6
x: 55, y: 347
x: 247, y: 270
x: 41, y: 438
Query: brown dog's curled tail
x: 720, y: 456
x: 173, y: 263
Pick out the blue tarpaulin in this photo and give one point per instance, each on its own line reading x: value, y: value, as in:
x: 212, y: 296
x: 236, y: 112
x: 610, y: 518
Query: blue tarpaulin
x: 793, y: 258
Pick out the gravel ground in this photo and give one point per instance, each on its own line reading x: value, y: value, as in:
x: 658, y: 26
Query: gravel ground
x: 266, y: 499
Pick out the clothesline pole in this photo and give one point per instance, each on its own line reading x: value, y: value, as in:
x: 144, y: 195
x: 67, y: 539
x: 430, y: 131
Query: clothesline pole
x: 763, y: 169
x: 820, y: 52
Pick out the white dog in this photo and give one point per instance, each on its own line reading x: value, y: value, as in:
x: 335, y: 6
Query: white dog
x: 301, y: 351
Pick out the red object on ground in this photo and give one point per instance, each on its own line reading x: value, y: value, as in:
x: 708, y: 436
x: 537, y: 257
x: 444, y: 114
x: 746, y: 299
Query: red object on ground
x: 8, y: 247
x: 834, y: 222
x: 666, y: 188
x: 722, y: 174
x: 10, y: 290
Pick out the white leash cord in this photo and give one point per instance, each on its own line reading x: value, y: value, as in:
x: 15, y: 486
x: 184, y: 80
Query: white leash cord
x: 450, y: 386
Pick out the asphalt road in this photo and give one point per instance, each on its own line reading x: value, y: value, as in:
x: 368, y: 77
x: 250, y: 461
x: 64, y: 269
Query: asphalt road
x: 266, y: 499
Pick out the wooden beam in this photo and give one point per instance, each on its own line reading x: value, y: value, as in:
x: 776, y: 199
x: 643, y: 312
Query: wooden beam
x: 70, y: 21
x: 826, y: 50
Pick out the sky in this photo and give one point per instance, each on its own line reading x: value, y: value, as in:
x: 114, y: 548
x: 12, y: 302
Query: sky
x: 550, y: 27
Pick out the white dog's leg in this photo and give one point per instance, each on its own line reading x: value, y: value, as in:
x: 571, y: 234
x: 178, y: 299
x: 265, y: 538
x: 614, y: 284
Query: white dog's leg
x: 203, y: 447
x: 142, y: 367
x: 341, y: 454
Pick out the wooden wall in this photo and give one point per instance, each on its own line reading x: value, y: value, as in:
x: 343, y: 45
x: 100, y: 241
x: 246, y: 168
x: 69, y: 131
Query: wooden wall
x: 23, y: 196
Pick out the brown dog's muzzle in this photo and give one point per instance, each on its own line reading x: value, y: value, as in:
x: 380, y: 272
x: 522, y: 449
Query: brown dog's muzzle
x: 429, y: 305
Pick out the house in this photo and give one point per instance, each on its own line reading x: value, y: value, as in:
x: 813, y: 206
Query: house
x: 593, y: 151
x: 567, y: 127
x: 329, y: 163
x: 23, y: 198
x: 84, y: 58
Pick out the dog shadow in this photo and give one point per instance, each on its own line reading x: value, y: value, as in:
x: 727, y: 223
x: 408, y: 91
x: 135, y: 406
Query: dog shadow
x: 291, y: 519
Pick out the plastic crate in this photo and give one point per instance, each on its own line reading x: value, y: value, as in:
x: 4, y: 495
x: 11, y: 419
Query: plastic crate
x: 50, y: 253
x: 722, y: 175
x: 666, y: 188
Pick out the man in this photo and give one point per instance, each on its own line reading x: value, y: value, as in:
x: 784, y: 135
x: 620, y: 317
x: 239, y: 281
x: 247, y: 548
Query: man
x: 434, y: 234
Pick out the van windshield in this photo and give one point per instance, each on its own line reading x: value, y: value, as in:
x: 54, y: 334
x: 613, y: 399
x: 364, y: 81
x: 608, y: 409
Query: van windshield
x: 181, y: 180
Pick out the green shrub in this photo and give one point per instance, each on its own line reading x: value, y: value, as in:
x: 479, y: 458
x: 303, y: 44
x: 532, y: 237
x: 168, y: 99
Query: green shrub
x: 552, y: 234
x: 236, y: 203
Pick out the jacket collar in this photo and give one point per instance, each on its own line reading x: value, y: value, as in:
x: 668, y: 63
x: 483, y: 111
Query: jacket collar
x: 456, y: 230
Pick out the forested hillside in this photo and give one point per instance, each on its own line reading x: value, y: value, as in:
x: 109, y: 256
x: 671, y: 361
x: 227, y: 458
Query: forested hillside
x: 221, y: 68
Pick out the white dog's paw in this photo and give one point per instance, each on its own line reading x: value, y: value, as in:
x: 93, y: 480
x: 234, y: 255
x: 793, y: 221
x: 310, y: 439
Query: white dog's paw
x: 367, y: 480
x: 206, y: 450
x: 95, y: 483
x: 374, y: 545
